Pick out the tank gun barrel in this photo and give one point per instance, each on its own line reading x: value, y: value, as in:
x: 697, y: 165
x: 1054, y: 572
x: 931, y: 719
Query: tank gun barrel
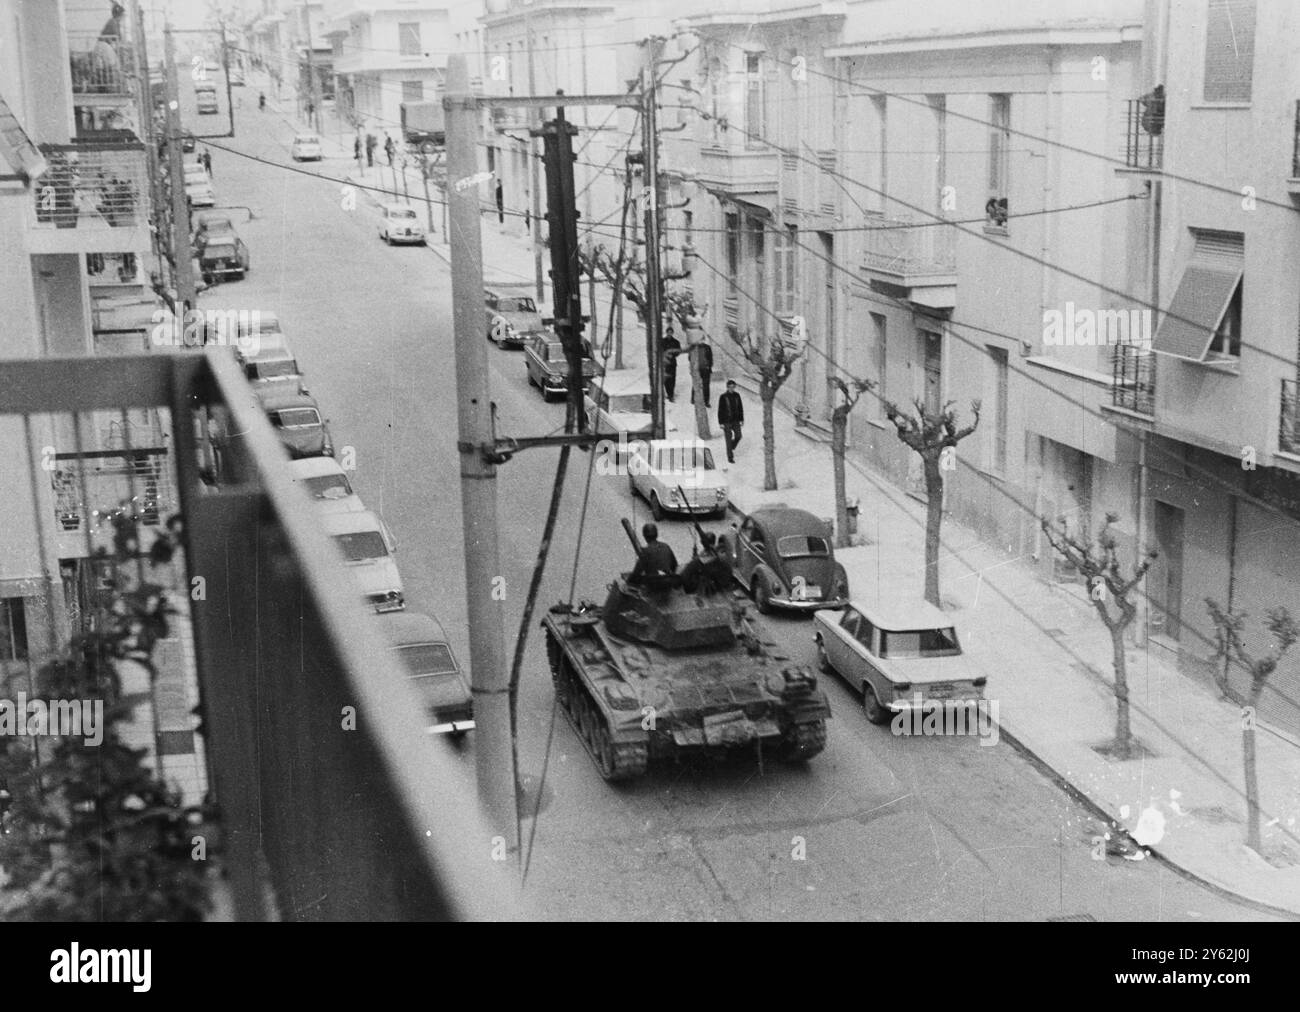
x: 631, y: 536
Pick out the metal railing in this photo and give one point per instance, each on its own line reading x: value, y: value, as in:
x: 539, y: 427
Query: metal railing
x: 92, y: 184
x: 1133, y: 375
x: 1144, y: 136
x: 1288, y: 430
x: 321, y: 818
x: 906, y: 246
x: 100, y: 67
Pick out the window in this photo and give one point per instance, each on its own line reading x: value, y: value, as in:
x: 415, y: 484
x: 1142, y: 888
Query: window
x: 880, y: 344
x: 995, y: 209
x: 412, y: 91
x: 755, y: 102
x: 1203, y: 322
x: 733, y: 252
x: 1226, y: 343
x: 921, y: 643
x: 786, y: 240
x: 997, y: 461
x: 1229, y: 50
x: 850, y: 623
x: 13, y: 629
x: 864, y: 633
x: 802, y: 546
x: 408, y: 38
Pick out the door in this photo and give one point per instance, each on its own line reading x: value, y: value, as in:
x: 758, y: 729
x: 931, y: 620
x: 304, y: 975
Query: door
x: 1166, y: 576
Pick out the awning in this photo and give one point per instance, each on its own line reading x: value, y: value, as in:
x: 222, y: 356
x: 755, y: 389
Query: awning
x: 17, y: 149
x: 1207, y: 286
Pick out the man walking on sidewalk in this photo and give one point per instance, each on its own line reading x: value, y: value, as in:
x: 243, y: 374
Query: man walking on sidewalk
x: 371, y: 144
x: 389, y: 148
x: 731, y: 416
x: 206, y: 160
x: 356, y: 150
x: 672, y: 348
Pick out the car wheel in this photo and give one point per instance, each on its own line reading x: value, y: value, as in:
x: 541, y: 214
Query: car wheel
x: 762, y: 594
x: 823, y: 659
x: 876, y: 713
x: 656, y: 507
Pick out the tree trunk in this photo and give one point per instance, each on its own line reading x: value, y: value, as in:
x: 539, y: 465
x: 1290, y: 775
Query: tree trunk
x: 1123, y: 731
x: 839, y: 423
x: 1253, y: 840
x: 933, y: 521
x: 697, y: 395
x: 767, y: 392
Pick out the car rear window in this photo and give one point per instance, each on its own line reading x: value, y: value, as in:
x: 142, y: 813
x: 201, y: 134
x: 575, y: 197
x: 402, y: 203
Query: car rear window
x: 517, y: 305
x: 219, y: 249
x: 268, y: 369
x: 362, y: 545
x: 798, y: 546
x: 295, y: 418
x: 327, y: 486
x: 920, y: 643
x: 402, y: 213
x: 427, y: 659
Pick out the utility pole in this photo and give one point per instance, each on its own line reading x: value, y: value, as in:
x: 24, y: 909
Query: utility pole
x: 225, y: 69
x: 489, y: 665
x: 147, y: 128
x: 183, y: 276
x: 313, y: 85
x: 653, y: 282
x: 534, y: 120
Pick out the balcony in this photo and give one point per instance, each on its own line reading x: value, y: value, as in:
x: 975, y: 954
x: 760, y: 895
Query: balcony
x: 1288, y: 429
x: 376, y: 823
x: 1144, y: 136
x: 912, y: 260
x: 1293, y: 181
x: 102, y: 74
x: 741, y: 173
x: 1133, y: 380
x: 92, y: 199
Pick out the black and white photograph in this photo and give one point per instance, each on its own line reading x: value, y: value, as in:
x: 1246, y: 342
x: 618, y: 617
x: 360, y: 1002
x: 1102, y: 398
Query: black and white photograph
x: 691, y: 461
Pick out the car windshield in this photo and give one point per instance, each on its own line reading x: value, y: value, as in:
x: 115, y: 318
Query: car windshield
x: 402, y: 212
x: 517, y: 305
x: 295, y: 418
x: 216, y: 225
x: 274, y: 367
x: 920, y: 643
x: 328, y: 486
x: 798, y: 546
x: 362, y: 545
x: 306, y: 139
x: 427, y: 659
x: 686, y: 459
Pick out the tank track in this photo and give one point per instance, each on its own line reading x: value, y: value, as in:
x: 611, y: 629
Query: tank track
x: 615, y: 761
x: 803, y: 741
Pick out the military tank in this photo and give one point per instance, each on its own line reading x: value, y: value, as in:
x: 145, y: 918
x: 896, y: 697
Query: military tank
x: 658, y: 671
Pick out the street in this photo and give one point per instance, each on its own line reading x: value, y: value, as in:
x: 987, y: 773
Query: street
x: 877, y: 827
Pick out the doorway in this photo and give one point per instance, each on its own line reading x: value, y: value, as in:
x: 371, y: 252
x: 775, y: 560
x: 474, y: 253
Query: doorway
x: 1166, y: 576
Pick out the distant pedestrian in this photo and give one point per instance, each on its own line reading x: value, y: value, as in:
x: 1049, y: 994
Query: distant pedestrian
x: 371, y: 144
x: 501, y: 204
x: 206, y: 160
x: 704, y: 363
x: 389, y: 148
x: 261, y: 101
x: 356, y: 150
x: 672, y: 348
x: 731, y: 416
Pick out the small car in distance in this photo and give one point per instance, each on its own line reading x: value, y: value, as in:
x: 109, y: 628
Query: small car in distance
x: 274, y: 372
x: 306, y: 148
x: 899, y: 653
x: 324, y: 479
x: 512, y: 316
x: 222, y: 255
x: 548, y: 368
x: 369, y: 551
x: 785, y: 559
x: 297, y: 420
x: 208, y: 223
x: 198, y: 186
x: 421, y: 645
x: 188, y: 141
x: 400, y: 223
x: 662, y: 471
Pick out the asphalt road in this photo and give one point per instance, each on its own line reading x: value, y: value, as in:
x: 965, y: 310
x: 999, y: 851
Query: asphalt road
x: 877, y: 827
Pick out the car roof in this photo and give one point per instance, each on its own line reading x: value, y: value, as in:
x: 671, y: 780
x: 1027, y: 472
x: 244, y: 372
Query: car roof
x: 783, y: 521
x: 314, y: 138
x: 278, y: 401
x: 350, y: 523
x: 891, y: 612
x: 623, y: 381
x: 407, y: 627
x: 270, y: 344
x: 314, y: 467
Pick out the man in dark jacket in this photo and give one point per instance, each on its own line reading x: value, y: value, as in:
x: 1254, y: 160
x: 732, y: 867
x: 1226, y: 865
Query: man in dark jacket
x: 371, y: 144
x: 731, y: 416
x: 656, y: 558
x: 672, y: 348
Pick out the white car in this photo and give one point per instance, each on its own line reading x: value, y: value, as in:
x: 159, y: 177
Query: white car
x: 198, y: 186
x: 420, y: 643
x: 619, y: 403
x: 324, y: 479
x: 400, y: 223
x: 369, y: 551
x: 899, y: 653
x: 677, y: 476
x: 306, y: 148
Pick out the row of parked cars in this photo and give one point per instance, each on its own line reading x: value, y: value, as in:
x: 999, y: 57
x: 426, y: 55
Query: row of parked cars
x: 367, y: 548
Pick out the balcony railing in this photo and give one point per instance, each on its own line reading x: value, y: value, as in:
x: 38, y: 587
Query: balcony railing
x: 1288, y: 430
x: 907, y: 247
x: 1133, y: 372
x: 100, y: 69
x: 1144, y: 134
x: 96, y: 188
x: 318, y: 822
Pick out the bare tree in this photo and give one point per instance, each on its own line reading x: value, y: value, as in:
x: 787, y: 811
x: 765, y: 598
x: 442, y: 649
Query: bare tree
x: 1098, y: 560
x: 934, y: 436
x: 774, y: 359
x: 850, y: 392
x: 1228, y: 626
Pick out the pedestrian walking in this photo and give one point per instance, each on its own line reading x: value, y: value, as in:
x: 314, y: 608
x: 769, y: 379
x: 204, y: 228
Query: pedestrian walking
x: 356, y: 150
x: 261, y: 101
x: 206, y: 160
x: 389, y: 148
x: 731, y: 416
x: 371, y: 144
x: 501, y: 204
x: 704, y: 365
x: 672, y: 348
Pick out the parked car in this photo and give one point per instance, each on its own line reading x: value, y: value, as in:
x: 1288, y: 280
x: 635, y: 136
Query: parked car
x: 206, y: 101
x: 306, y: 148
x: 618, y: 402
x: 255, y: 332
x: 324, y: 479
x: 274, y: 371
x: 512, y: 317
x: 198, y: 186
x: 369, y: 551
x: 211, y: 223
x: 421, y: 645
x: 662, y: 471
x: 400, y: 223
x: 188, y: 141
x: 900, y: 653
x: 297, y: 420
x: 548, y: 368
x: 222, y: 256
x: 785, y: 559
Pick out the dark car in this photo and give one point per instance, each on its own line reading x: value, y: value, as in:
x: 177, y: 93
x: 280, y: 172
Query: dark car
x: 188, y: 141
x: 210, y: 223
x: 222, y: 255
x: 785, y: 559
x: 512, y: 317
x: 297, y: 420
x: 421, y: 644
x: 548, y: 369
